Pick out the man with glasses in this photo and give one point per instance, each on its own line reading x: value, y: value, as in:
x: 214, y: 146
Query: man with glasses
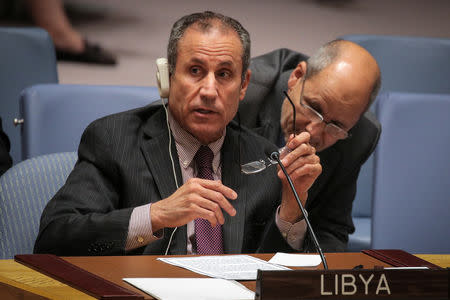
x: 331, y: 92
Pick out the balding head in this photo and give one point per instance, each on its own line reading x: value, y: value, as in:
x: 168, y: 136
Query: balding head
x: 339, y: 82
x: 339, y: 52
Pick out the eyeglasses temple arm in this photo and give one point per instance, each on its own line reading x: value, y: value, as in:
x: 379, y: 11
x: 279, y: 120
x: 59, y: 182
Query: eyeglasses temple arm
x: 293, y: 109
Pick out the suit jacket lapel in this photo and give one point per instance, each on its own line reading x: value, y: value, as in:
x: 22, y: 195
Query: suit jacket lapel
x: 155, y: 150
x: 233, y: 229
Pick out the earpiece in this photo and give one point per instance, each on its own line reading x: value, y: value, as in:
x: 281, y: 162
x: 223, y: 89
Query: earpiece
x: 162, y: 77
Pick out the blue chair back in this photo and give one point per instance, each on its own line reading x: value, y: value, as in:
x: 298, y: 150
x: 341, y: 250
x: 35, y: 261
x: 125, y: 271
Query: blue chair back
x: 55, y: 116
x: 411, y: 208
x: 362, y: 209
x: 25, y: 189
x: 27, y: 57
x: 409, y: 64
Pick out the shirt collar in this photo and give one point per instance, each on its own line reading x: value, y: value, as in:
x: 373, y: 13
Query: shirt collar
x: 187, y: 145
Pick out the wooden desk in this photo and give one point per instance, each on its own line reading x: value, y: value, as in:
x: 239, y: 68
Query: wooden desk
x: 441, y: 260
x: 17, y: 280
x: 20, y: 282
x: 114, y: 268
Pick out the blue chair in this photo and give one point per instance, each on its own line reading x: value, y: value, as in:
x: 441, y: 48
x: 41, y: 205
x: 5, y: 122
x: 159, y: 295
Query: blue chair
x: 55, y: 116
x: 27, y: 57
x: 408, y: 64
x: 411, y: 207
x: 362, y: 209
x: 25, y: 189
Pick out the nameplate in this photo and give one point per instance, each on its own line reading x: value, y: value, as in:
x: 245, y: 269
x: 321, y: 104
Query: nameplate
x: 353, y: 284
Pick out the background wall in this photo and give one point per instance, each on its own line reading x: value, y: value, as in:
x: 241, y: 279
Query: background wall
x: 137, y: 30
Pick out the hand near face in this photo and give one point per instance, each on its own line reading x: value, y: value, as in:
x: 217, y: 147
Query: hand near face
x: 303, y: 166
x: 197, y: 198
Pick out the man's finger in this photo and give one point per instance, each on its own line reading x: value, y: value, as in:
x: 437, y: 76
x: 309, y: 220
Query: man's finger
x: 301, y: 161
x: 217, y: 186
x: 209, y: 215
x: 219, y: 199
x: 299, y: 151
x: 295, y: 141
x: 311, y: 170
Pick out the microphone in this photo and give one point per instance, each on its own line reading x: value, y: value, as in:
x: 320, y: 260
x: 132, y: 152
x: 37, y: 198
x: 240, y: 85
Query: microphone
x: 276, y: 157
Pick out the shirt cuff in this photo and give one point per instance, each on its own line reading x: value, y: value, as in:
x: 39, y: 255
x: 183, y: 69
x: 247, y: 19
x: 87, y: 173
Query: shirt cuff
x: 140, y: 228
x: 294, y: 234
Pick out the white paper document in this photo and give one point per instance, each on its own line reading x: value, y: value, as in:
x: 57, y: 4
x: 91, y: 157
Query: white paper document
x: 192, y: 288
x: 296, y: 260
x: 236, y: 267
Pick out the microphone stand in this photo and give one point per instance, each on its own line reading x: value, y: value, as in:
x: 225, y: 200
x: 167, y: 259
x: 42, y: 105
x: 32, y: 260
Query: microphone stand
x: 276, y: 156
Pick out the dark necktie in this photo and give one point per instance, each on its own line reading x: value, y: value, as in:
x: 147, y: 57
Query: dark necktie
x: 208, y: 238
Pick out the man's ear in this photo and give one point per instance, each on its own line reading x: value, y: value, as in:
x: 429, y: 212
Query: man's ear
x: 244, y: 84
x: 297, y: 74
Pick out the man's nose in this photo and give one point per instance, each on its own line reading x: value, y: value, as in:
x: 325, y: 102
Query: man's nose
x: 209, y: 86
x: 315, y: 129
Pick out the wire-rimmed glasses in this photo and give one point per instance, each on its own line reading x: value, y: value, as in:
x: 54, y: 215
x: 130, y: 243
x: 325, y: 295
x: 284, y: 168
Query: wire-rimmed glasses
x: 314, y: 116
x: 259, y: 165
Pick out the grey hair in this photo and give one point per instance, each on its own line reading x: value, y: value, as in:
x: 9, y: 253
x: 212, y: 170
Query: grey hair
x: 322, y: 58
x: 325, y: 56
x: 204, y: 21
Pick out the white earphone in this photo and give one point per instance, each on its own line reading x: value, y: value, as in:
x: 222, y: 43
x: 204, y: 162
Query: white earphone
x: 162, y: 77
x: 162, y: 80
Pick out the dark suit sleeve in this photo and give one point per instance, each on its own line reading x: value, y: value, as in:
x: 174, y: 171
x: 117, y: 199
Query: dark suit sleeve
x: 331, y: 209
x: 5, y: 158
x: 273, y: 240
x: 85, y: 216
x: 331, y: 219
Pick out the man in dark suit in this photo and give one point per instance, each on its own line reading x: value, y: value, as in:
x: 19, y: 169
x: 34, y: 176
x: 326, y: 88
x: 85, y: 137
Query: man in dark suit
x: 5, y: 158
x: 336, y: 86
x: 135, y: 179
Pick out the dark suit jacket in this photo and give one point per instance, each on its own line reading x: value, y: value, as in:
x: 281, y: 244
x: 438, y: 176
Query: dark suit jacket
x: 330, y: 198
x: 124, y: 162
x: 5, y: 158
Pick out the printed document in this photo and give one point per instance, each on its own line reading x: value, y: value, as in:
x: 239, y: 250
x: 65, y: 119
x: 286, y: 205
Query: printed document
x: 236, y: 267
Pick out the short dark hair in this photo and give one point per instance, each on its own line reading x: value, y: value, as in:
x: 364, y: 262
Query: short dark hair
x: 204, y: 21
x: 326, y: 55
